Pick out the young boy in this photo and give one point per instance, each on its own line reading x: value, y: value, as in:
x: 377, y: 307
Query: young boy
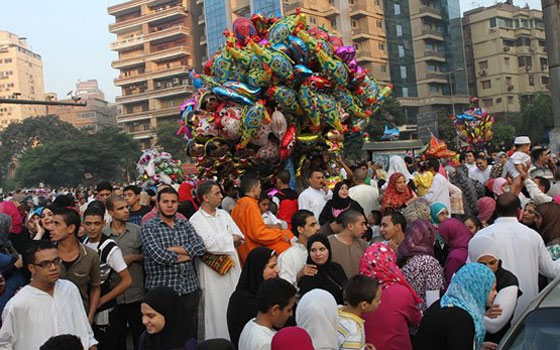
x: 519, y: 163
x: 362, y: 295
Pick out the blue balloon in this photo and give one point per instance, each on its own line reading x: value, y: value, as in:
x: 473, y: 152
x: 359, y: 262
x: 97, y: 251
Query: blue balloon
x: 228, y: 94
x: 197, y: 82
x: 465, y: 117
x: 300, y: 51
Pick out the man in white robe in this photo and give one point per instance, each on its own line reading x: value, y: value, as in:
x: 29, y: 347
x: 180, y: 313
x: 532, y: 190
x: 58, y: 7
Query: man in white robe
x: 221, y: 236
x: 46, y: 307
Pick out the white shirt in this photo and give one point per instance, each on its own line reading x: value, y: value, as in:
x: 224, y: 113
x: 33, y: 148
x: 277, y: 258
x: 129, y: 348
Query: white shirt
x: 313, y: 200
x: 217, y: 233
x: 439, y: 192
x: 522, y: 252
x: 291, y: 261
x: 255, y: 337
x: 470, y: 166
x: 32, y: 316
x: 115, y: 259
x: 228, y: 203
x: 367, y: 197
x: 480, y: 175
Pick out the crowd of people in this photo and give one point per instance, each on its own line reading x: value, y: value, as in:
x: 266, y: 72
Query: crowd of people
x: 425, y: 254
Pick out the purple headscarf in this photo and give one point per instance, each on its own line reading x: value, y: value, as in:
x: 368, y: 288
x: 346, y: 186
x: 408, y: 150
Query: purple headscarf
x: 486, y: 207
x: 419, y: 240
x: 457, y: 237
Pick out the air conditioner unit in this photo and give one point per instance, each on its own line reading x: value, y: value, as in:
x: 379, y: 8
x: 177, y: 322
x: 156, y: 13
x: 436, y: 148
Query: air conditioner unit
x: 483, y: 73
x: 159, y: 85
x: 510, y: 87
x: 175, y: 81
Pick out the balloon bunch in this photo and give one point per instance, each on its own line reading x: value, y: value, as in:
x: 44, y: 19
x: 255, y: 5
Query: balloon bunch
x: 437, y: 148
x: 276, y: 90
x: 156, y: 168
x: 474, y: 126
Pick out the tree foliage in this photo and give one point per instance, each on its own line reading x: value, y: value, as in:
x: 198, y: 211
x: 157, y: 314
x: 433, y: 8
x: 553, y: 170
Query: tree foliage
x: 169, y: 141
x: 536, y: 117
x: 503, y: 136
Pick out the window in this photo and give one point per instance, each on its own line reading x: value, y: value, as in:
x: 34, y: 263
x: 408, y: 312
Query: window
x: 524, y: 23
x: 531, y: 80
x: 508, y: 42
x: 8, y: 60
x: 510, y: 100
x: 381, y: 46
x: 429, y: 45
x: 333, y: 23
x: 401, y: 50
x: 524, y: 61
x: 383, y: 68
x: 486, y: 84
x: 399, y: 30
x: 544, y: 63
x: 405, y: 92
x: 433, y: 67
x: 397, y: 9
x: 508, y: 81
x: 545, y: 80
x: 403, y: 72
x: 488, y: 102
x: 354, y: 24
x: 483, y: 64
x: 506, y: 61
x: 523, y: 41
x: 379, y: 23
x: 493, y: 22
x: 542, y: 43
x: 434, y: 88
x: 312, y: 20
x: 378, y: 2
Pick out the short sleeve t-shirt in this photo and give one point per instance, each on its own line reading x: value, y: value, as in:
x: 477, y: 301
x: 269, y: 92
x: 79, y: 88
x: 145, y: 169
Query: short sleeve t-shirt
x: 135, y: 217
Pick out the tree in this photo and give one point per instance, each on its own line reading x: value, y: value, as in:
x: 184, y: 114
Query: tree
x: 503, y: 136
x: 127, y: 148
x: 169, y: 141
x: 447, y: 131
x: 536, y: 117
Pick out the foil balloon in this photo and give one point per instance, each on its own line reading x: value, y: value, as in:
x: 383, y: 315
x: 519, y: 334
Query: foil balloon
x: 333, y: 67
x: 299, y: 50
x: 260, y: 137
x: 228, y: 94
x: 196, y: 80
x: 282, y: 48
x: 252, y: 120
x: 230, y: 117
x: 222, y: 66
x: 242, y: 89
x: 306, y: 98
x: 279, y: 125
x: 244, y: 30
x: 288, y: 142
x: 268, y: 152
x: 348, y: 103
x: 259, y: 76
x: 279, y: 63
x: 286, y: 98
x: 302, y: 72
x: 329, y: 109
x: 279, y: 31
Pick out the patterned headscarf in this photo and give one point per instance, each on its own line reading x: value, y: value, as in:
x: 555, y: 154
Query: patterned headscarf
x: 469, y: 290
x: 486, y: 207
x: 417, y: 210
x: 380, y: 262
x: 497, y: 188
x: 392, y: 198
x: 419, y: 240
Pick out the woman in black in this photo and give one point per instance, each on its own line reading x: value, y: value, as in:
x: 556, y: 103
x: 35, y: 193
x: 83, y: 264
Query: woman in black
x: 259, y: 266
x: 339, y: 203
x: 330, y: 275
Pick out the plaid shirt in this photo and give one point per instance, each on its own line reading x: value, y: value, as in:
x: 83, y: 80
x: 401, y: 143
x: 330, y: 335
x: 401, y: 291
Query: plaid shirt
x: 159, y: 263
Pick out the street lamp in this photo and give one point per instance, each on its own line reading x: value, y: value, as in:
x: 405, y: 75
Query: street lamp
x: 451, y: 86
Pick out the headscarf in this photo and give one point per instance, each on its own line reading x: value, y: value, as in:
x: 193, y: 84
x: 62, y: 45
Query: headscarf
x: 397, y: 165
x: 392, y: 198
x: 167, y: 302
x: 252, y: 274
x: 6, y: 246
x: 480, y: 246
x: 340, y: 203
x: 185, y: 193
x: 335, y: 206
x: 550, y: 226
x: 455, y: 233
x: 417, y: 210
x: 379, y: 261
x: 497, y: 188
x: 471, y: 189
x: 216, y: 344
x: 419, y: 240
x: 435, y: 210
x: 290, y: 338
x: 317, y: 313
x: 486, y: 207
x: 10, y: 209
x: 469, y: 291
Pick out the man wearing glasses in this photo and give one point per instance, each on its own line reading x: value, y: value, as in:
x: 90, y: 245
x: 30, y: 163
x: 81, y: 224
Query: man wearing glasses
x: 46, y: 307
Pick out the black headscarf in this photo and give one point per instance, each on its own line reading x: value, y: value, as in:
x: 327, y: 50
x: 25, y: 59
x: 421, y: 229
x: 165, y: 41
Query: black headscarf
x: 242, y: 305
x: 330, y: 276
x: 174, y: 335
x: 337, y: 205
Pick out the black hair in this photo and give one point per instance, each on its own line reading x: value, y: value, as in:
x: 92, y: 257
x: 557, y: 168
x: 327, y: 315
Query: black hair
x: 229, y: 185
x: 111, y: 200
x: 132, y: 188
x: 408, y: 160
x: 263, y: 196
x: 104, y: 185
x: 507, y: 204
x: 432, y: 163
x: 463, y: 157
x: 299, y: 219
x: 63, y: 342
x: 377, y: 216
x: 360, y: 288
x: 168, y: 190
x: 70, y: 217
x: 274, y: 291
x: 150, y: 192
x: 349, y: 216
x: 34, y: 247
x: 398, y: 218
x: 63, y: 201
x: 315, y: 170
x: 247, y: 183
x: 481, y: 156
x: 94, y: 211
x: 204, y: 189
x: 544, y: 183
x: 284, y: 176
x: 97, y: 204
x: 474, y: 219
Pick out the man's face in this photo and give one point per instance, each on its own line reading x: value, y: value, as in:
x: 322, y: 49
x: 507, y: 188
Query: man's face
x: 103, y: 195
x: 317, y: 180
x: 168, y: 204
x: 131, y: 197
x: 387, y: 228
x: 470, y: 158
x: 311, y: 227
x: 46, y: 268
x: 359, y: 227
x: 214, y: 197
x: 257, y: 190
x: 481, y: 164
x: 280, y: 316
x: 545, y: 157
x: 60, y: 229
x: 120, y: 211
x: 93, y: 225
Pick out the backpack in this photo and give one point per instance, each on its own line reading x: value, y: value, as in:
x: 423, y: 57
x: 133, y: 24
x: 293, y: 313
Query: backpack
x: 288, y: 206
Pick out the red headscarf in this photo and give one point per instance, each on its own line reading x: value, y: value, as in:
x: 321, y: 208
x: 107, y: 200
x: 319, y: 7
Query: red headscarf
x: 12, y: 211
x: 185, y: 193
x: 380, y: 261
x: 292, y: 338
x: 392, y: 198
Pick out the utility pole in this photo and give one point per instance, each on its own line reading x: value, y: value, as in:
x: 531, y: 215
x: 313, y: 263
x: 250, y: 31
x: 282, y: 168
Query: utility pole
x: 551, y: 14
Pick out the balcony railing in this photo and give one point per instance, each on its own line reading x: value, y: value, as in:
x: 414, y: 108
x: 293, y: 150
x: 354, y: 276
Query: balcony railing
x: 155, y: 74
x: 361, y: 7
x: 430, y: 53
x: 360, y: 30
x: 292, y: 6
x: 427, y: 9
x: 149, y: 17
x: 153, y: 56
x: 436, y: 75
x: 432, y: 32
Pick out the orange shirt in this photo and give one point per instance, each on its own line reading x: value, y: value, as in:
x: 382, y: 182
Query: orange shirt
x: 247, y: 216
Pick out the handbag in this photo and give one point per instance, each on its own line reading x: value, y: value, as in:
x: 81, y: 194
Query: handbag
x: 219, y: 263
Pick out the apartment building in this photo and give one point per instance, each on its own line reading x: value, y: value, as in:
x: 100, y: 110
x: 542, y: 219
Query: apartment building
x: 21, y: 77
x: 155, y: 53
x: 89, y: 89
x: 506, y: 56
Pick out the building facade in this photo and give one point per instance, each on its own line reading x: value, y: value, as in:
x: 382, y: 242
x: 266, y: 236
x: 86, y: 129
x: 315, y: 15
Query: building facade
x: 21, y: 77
x: 155, y: 53
x: 506, y: 56
x: 89, y: 89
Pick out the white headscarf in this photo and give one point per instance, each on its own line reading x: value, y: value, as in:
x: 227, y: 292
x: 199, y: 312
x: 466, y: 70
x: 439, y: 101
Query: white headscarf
x: 480, y: 246
x: 317, y: 314
x: 397, y: 165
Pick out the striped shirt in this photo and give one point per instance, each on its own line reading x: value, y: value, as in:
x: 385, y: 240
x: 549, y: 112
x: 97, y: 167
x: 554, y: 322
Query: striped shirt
x: 351, y: 334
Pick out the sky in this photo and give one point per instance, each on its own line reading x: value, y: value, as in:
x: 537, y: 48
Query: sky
x: 72, y: 36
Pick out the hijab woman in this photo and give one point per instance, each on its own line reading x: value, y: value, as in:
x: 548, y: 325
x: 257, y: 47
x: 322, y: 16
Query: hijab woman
x: 457, y: 320
x: 330, y: 275
x: 456, y: 236
x: 317, y: 313
x: 339, y: 203
x: 259, y: 266
x: 397, y: 195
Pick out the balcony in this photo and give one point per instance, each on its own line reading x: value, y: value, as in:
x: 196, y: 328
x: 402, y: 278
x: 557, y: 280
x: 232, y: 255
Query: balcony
x: 364, y: 55
x: 156, y: 74
x: 171, y: 13
x: 124, y: 7
x: 436, y: 76
x: 331, y: 11
x: 240, y: 6
x: 201, y: 19
x: 135, y: 116
x: 361, y: 33
x: 162, y: 55
x: 129, y: 43
x: 432, y: 33
x: 361, y: 10
x: 174, y: 31
x: 289, y: 7
x: 180, y: 89
x: 426, y: 11
x: 203, y: 40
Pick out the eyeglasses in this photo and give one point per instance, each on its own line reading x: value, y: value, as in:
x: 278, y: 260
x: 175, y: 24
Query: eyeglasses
x: 48, y: 264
